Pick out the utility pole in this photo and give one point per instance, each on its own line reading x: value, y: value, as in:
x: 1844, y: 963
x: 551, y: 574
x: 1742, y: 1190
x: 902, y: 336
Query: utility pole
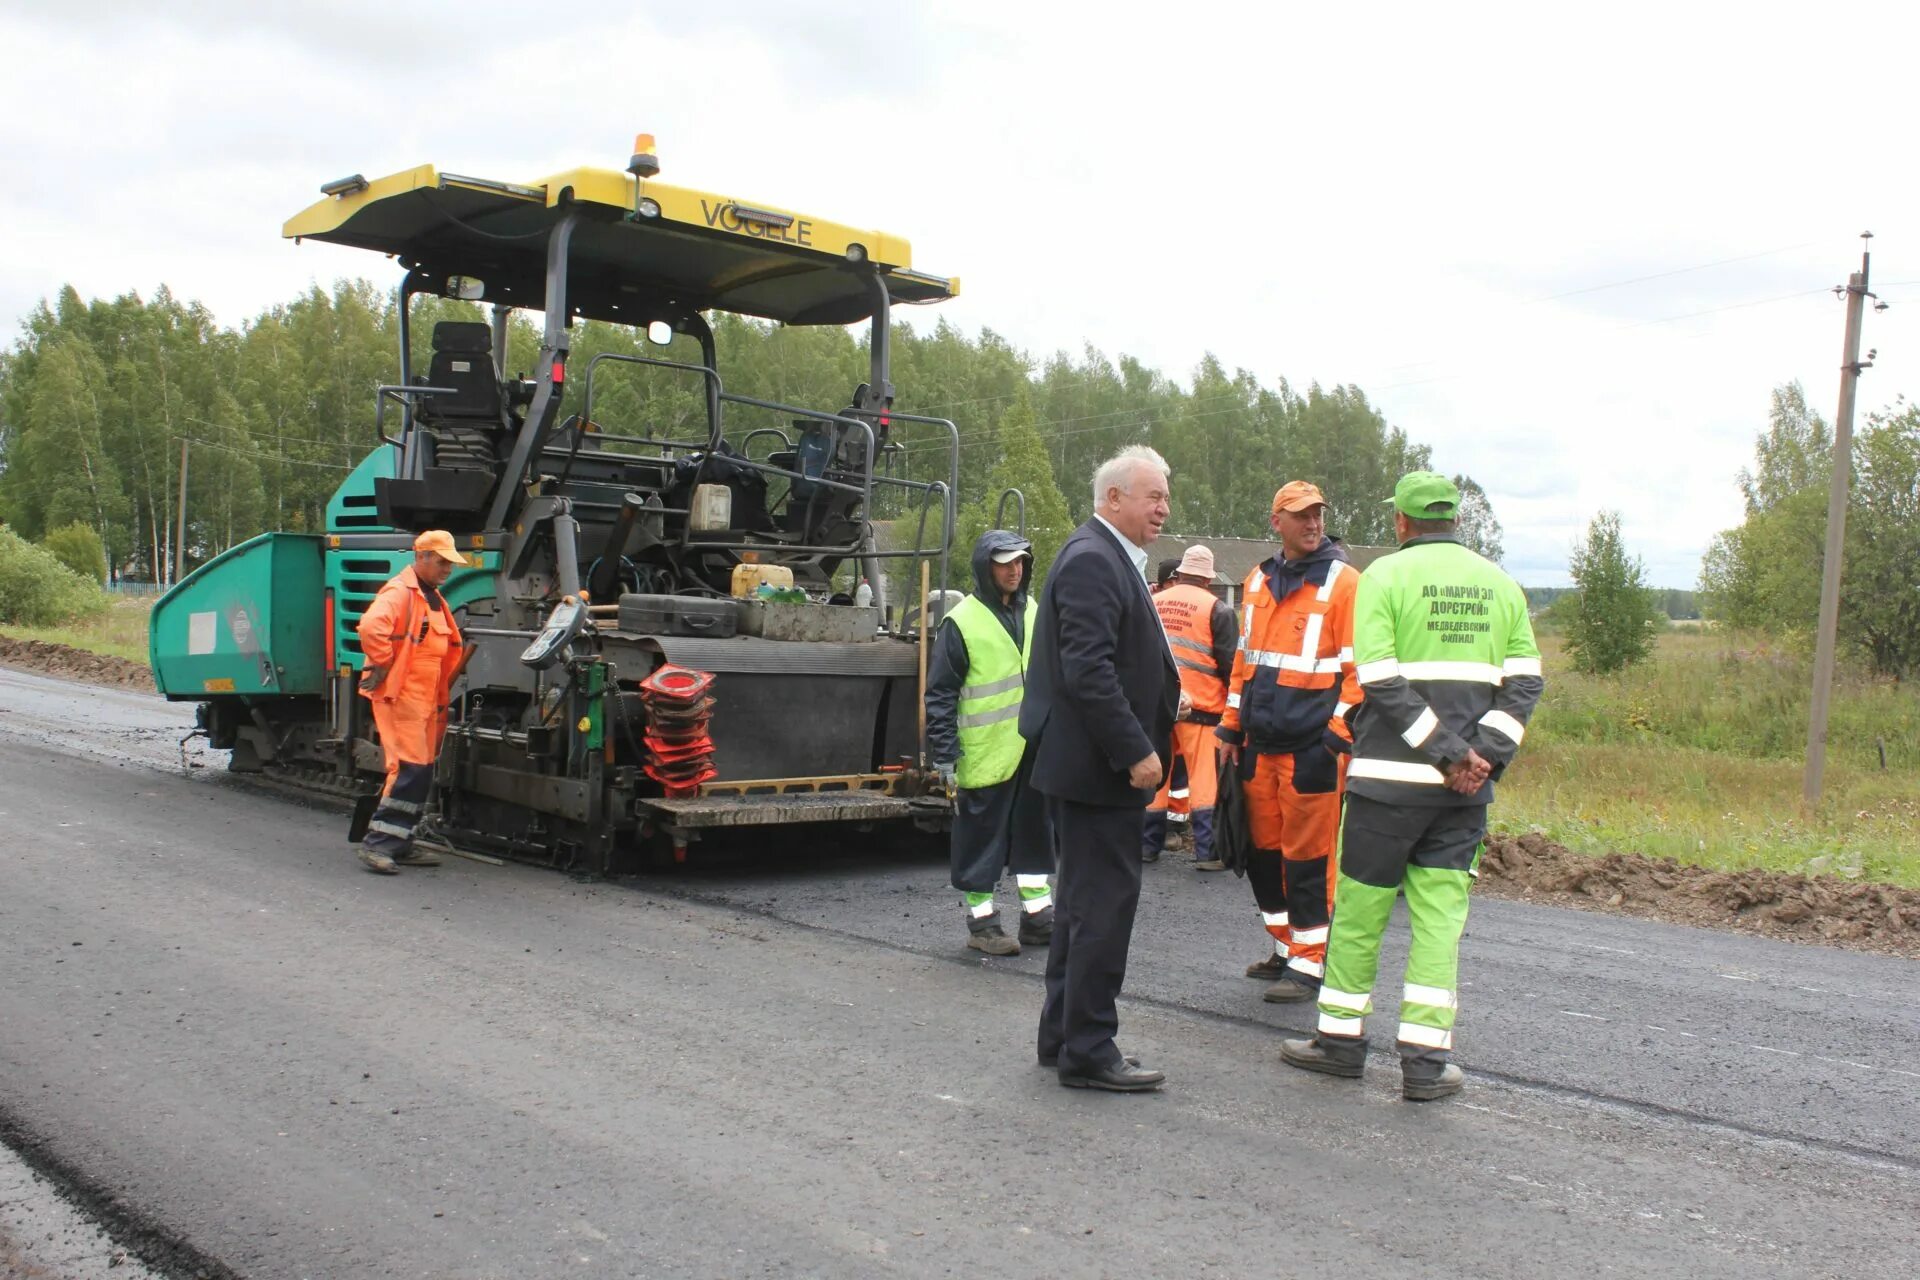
x: 1823, y: 654
x: 180, y: 537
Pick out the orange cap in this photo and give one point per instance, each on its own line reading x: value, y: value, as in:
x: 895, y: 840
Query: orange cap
x: 1297, y: 495
x: 440, y: 542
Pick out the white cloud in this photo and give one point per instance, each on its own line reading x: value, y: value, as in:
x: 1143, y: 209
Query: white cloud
x: 1395, y: 197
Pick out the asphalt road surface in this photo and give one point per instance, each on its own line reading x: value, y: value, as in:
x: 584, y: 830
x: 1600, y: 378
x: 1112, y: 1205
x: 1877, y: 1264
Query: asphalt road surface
x: 244, y: 1053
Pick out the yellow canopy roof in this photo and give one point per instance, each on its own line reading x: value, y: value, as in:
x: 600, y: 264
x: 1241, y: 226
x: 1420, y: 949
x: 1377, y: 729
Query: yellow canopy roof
x: 639, y: 246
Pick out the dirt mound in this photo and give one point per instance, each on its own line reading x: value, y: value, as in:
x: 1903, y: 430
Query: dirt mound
x: 1816, y: 909
x: 74, y: 664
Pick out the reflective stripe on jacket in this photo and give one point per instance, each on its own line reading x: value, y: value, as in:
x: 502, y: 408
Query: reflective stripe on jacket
x: 1445, y: 652
x: 1186, y: 612
x: 1293, y: 676
x: 989, y: 707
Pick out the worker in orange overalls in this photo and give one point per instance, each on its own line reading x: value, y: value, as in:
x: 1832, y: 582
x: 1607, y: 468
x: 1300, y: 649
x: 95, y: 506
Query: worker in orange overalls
x: 1179, y: 794
x: 412, y: 647
x: 1289, y: 700
x: 1200, y: 631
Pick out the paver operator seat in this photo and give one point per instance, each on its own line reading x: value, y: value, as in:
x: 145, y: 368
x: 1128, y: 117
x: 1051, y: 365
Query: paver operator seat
x: 467, y: 424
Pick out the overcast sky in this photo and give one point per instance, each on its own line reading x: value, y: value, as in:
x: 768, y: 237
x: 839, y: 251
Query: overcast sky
x: 1570, y: 248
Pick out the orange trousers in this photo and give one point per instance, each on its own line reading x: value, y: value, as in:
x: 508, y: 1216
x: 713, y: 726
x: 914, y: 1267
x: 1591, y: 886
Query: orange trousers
x: 1193, y: 746
x: 1292, y: 868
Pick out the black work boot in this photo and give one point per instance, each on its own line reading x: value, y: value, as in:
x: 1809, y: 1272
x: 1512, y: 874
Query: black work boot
x: 1036, y: 927
x: 1269, y: 970
x: 1424, y: 1078
x: 1293, y: 987
x: 1329, y: 1055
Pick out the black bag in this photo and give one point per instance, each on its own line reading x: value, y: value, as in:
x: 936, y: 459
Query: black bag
x: 1232, y: 836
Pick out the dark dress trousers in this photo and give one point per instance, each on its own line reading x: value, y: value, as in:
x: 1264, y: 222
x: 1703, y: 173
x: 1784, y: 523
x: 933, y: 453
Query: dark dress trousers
x: 1102, y: 692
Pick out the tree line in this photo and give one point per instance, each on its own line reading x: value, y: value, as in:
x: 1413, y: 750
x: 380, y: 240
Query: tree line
x: 99, y: 398
x: 1676, y: 604
x: 1764, y: 575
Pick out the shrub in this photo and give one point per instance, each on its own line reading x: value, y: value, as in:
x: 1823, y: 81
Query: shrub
x: 78, y: 547
x: 36, y: 590
x: 1612, y: 627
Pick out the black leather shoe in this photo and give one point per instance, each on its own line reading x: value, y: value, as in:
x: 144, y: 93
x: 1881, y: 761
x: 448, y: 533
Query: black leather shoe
x: 1149, y: 855
x: 1121, y: 1077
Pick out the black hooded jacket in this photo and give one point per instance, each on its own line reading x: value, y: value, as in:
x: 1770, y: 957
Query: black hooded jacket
x: 947, y: 666
x: 1284, y: 576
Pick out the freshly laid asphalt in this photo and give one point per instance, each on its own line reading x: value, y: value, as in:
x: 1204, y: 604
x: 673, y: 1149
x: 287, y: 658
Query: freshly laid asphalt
x: 243, y: 1053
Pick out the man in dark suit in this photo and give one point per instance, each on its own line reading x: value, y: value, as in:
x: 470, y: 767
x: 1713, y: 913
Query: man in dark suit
x: 1101, y: 696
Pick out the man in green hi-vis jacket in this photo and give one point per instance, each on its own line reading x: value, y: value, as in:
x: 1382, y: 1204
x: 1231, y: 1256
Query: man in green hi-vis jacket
x: 975, y: 682
x: 1443, y: 648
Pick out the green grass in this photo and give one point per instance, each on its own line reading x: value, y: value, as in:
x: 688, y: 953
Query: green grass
x: 1697, y: 755
x: 121, y: 632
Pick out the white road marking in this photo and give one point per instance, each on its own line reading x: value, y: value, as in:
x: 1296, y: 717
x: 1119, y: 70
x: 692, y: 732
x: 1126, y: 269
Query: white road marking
x: 1785, y: 1053
x: 1571, y: 1013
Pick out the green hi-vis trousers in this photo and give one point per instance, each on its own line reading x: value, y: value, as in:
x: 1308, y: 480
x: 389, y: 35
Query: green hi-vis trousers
x: 1430, y: 854
x: 1036, y: 895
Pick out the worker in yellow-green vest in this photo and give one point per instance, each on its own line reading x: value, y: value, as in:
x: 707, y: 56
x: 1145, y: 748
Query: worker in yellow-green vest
x: 975, y: 678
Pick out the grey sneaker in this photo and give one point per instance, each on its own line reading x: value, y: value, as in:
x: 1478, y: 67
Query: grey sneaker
x: 378, y: 862
x: 1425, y: 1081
x: 992, y: 940
x: 417, y: 857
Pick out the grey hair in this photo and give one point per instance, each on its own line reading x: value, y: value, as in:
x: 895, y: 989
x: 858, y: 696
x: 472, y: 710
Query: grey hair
x: 1118, y: 471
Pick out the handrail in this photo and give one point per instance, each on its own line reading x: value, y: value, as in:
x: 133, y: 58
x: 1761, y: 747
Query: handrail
x: 399, y: 393
x: 1000, y: 511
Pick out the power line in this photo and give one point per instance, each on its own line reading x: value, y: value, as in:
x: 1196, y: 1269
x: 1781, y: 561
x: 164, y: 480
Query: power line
x: 1663, y: 275
x: 1732, y: 306
x: 263, y: 457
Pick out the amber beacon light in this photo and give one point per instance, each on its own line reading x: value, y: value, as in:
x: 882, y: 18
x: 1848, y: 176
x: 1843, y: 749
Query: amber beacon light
x: 644, y: 163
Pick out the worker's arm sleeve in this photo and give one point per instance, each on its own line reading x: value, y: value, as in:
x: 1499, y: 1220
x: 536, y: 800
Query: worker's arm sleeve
x: 1377, y: 667
x: 1089, y: 606
x: 1230, y: 729
x: 1226, y: 639
x: 378, y: 625
x: 946, y: 673
x: 1348, y: 694
x: 1498, y: 734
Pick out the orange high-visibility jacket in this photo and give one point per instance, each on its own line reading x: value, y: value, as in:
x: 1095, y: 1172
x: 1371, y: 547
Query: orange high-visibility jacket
x: 1186, y: 612
x: 391, y: 628
x: 1293, y: 675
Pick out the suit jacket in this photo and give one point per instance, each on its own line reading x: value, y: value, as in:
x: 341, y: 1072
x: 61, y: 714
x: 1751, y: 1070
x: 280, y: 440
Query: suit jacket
x: 1102, y: 689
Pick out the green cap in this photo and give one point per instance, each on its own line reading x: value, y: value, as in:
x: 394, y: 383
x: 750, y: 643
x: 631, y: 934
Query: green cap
x: 1425, y: 495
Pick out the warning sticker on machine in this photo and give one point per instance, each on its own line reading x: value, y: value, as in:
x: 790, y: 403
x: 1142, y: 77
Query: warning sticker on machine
x: 203, y: 629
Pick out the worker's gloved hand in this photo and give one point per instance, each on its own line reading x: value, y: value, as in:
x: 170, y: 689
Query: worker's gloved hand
x: 1335, y: 743
x: 947, y: 776
x: 371, y: 678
